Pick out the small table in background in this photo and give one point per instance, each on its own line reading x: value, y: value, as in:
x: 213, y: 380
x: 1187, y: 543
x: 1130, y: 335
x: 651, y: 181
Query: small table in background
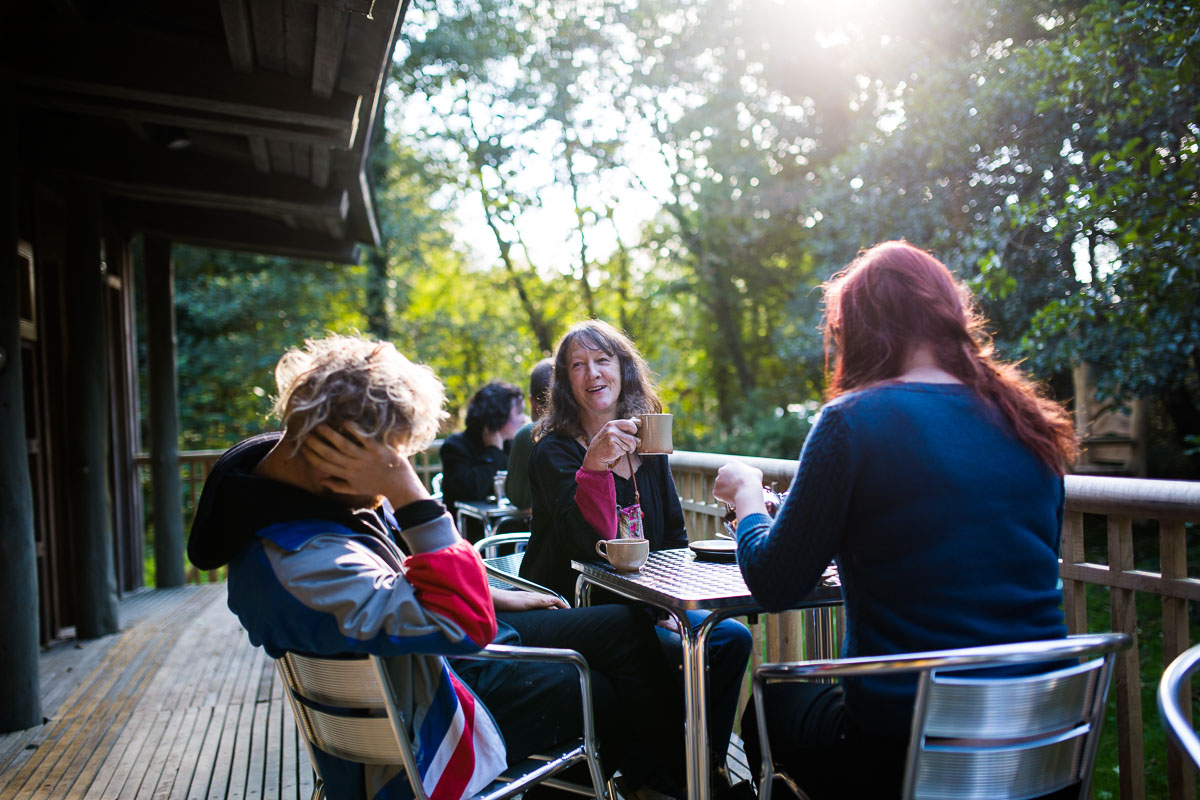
x: 491, y: 514
x: 676, y: 581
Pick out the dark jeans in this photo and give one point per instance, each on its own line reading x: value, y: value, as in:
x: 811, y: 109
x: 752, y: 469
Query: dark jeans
x: 638, y: 704
x: 818, y: 745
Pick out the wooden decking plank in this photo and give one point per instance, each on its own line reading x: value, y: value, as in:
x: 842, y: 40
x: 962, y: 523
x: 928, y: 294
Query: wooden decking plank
x: 219, y: 776
x: 272, y: 766
x: 226, y: 643
x: 60, y: 735
x: 240, y: 764
x: 205, y: 747
x: 165, y: 768
x: 96, y: 743
x: 101, y: 731
x: 256, y: 772
x: 148, y: 727
x: 293, y: 759
x: 12, y: 746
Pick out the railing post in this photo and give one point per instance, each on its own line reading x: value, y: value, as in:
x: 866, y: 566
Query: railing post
x: 1127, y: 682
x: 1074, y: 591
x: 1172, y: 534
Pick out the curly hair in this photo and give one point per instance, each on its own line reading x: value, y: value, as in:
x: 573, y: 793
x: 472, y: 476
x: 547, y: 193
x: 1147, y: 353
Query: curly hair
x: 894, y: 297
x: 346, y: 379
x: 638, y: 395
x: 491, y: 406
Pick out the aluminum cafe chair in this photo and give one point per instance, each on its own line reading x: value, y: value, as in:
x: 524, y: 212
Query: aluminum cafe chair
x: 345, y: 707
x: 1171, y: 711
x: 504, y: 569
x: 983, y: 736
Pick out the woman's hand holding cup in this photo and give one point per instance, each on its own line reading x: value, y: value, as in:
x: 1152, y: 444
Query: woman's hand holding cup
x: 613, y: 441
x: 739, y: 485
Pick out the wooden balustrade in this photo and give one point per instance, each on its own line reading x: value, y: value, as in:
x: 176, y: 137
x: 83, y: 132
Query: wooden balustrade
x: 1171, y: 505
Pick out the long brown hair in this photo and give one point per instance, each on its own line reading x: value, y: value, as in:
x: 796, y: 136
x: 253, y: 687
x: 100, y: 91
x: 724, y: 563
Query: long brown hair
x: 638, y: 395
x: 894, y: 297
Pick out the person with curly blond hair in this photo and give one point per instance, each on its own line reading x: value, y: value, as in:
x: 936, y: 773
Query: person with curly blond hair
x: 335, y: 547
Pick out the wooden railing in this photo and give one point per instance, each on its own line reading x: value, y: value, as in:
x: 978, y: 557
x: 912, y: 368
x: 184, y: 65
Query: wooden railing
x: 1170, y: 505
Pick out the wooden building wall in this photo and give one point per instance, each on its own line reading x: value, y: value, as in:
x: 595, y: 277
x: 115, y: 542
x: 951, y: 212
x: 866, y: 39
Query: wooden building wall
x: 46, y: 362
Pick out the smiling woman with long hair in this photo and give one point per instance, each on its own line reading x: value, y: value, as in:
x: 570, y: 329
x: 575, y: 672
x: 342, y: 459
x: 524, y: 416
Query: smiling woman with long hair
x: 588, y: 480
x: 934, y: 478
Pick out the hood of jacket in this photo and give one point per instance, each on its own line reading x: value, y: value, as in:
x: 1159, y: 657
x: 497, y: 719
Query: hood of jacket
x: 235, y: 504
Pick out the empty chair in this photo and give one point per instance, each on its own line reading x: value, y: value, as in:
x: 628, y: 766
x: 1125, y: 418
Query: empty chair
x: 345, y: 707
x: 504, y: 569
x: 1172, y: 712
x: 984, y: 735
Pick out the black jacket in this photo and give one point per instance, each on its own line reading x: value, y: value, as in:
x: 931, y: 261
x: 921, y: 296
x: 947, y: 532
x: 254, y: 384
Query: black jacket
x: 468, y: 467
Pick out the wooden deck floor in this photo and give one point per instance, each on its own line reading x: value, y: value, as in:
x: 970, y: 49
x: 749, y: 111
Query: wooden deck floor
x: 178, y: 706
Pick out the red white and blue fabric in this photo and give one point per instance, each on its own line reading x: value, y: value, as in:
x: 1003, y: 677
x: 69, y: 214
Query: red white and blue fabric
x: 459, y: 748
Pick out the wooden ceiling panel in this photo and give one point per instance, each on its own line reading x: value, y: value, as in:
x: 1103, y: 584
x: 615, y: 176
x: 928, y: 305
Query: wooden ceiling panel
x: 209, y: 120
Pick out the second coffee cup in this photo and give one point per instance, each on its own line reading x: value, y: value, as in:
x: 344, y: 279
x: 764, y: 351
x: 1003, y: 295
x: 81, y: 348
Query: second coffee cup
x: 626, y: 555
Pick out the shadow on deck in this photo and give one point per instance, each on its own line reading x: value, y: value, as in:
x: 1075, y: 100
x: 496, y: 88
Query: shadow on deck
x: 177, y: 706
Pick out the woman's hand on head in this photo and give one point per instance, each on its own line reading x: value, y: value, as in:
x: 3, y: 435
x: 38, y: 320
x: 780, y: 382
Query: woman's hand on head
x: 740, y: 485
x: 617, y: 438
x: 352, y: 463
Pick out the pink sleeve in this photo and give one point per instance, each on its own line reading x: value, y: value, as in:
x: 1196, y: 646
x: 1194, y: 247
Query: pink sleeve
x: 596, y: 496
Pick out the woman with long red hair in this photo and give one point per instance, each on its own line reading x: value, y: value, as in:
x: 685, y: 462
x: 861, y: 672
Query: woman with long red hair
x: 933, y: 478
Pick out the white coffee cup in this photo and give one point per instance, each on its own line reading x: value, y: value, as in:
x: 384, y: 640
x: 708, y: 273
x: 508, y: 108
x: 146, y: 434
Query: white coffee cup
x: 654, y: 431
x: 626, y: 555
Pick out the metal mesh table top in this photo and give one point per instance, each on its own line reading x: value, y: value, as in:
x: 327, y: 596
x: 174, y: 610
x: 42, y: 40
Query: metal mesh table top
x: 677, y: 579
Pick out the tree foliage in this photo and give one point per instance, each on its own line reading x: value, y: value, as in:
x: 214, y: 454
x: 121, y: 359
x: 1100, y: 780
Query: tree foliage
x: 1045, y: 150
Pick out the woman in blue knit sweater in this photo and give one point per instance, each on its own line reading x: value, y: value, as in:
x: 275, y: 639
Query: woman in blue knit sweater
x: 933, y: 477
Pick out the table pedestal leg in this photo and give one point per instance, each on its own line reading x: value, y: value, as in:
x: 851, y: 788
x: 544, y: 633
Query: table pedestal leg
x: 695, y: 695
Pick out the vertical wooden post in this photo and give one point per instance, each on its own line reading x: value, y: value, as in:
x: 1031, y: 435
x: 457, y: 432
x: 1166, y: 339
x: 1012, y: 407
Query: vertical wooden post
x: 164, y: 413
x: 87, y: 404
x: 1127, y: 687
x: 1074, y: 591
x: 20, y: 703
x: 1172, y: 548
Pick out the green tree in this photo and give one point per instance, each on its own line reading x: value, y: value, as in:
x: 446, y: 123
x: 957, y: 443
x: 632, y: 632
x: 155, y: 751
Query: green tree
x: 236, y: 313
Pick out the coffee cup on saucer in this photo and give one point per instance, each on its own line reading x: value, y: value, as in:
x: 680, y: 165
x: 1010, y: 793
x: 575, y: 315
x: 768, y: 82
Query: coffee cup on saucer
x: 626, y: 555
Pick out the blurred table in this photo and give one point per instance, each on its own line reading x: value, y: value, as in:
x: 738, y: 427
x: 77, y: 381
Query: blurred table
x: 491, y: 514
x: 677, y: 581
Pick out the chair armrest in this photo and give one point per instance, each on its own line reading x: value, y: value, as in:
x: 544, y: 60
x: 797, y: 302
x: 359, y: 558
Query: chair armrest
x: 499, y: 539
x: 1179, y: 729
x: 508, y: 652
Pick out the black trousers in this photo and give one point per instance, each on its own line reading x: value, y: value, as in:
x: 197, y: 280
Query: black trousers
x: 637, y: 700
x: 818, y: 745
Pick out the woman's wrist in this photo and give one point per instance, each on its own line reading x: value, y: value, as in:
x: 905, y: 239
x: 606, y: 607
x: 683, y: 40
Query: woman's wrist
x: 749, y: 500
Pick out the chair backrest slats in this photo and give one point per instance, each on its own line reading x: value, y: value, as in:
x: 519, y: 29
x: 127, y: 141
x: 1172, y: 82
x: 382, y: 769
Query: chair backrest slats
x: 366, y: 740
x: 1023, y: 771
x: 349, y: 682
x: 1027, y: 705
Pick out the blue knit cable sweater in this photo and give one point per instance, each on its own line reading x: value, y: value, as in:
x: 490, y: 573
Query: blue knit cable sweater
x: 945, y: 529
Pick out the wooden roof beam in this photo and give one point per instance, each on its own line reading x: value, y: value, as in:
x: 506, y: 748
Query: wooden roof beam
x: 187, y: 76
x: 233, y: 231
x: 183, y: 118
